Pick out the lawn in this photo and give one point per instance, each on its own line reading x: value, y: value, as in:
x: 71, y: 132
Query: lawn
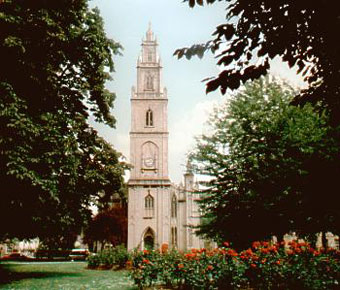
x: 60, y: 276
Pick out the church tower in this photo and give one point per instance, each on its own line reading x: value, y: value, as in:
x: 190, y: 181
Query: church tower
x: 149, y: 184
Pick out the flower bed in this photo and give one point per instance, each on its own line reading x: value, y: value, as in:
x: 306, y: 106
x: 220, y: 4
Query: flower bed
x: 264, y: 266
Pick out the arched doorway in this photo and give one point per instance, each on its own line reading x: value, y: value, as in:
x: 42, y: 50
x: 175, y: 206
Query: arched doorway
x: 149, y: 239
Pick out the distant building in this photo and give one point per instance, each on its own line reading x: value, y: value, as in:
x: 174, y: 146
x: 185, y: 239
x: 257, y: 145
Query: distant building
x: 158, y: 211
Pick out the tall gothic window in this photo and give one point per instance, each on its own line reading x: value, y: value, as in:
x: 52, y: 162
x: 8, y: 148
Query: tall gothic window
x: 174, y: 237
x: 149, y: 56
x: 149, y: 205
x: 149, y: 118
x: 190, y: 234
x: 174, y: 206
x: 149, y: 82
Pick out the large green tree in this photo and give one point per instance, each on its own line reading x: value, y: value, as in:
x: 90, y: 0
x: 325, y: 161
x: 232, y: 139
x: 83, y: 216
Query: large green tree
x: 273, y: 167
x: 55, y: 60
x: 303, y: 33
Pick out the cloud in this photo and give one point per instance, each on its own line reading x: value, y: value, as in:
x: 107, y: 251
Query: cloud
x: 182, y: 136
x: 121, y: 141
x: 281, y: 69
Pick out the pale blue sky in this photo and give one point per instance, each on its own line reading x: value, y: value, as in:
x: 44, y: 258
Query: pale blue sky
x: 175, y: 25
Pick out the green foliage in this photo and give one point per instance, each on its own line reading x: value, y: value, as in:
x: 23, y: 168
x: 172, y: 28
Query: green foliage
x: 273, y: 167
x: 264, y: 266
x: 301, y: 32
x: 121, y: 256
x: 55, y: 60
x: 107, y: 258
x: 93, y: 261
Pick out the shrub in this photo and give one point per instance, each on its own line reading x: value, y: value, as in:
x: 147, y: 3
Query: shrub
x: 106, y: 259
x: 93, y: 261
x: 121, y: 256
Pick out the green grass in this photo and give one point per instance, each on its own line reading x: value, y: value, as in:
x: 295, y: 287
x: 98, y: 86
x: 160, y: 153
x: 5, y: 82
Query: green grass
x: 60, y: 276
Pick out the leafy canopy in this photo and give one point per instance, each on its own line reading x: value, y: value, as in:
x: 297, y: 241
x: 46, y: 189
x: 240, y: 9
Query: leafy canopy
x: 303, y: 33
x: 55, y: 61
x: 274, y: 167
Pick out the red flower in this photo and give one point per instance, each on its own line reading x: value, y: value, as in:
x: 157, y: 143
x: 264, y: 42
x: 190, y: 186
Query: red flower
x: 316, y: 253
x: 146, y: 252
x: 210, y: 267
x: 311, y: 250
x: 190, y: 255
x: 278, y: 262
x: 253, y: 265
x: 180, y: 266
x: 264, y: 251
x: 232, y: 253
x: 254, y: 257
x: 226, y: 244
x: 297, y: 250
x: 273, y: 249
x: 129, y: 264
x: 256, y: 244
x: 249, y: 252
x: 290, y: 252
x: 146, y: 261
x: 164, y: 248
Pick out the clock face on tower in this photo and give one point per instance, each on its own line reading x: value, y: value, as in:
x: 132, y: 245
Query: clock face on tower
x: 149, y: 162
x: 149, y: 156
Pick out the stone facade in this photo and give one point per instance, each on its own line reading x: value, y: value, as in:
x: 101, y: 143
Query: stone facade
x: 159, y: 212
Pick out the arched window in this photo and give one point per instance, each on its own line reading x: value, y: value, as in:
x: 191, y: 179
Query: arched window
x: 174, y: 237
x: 149, y: 118
x: 190, y: 234
x: 174, y: 206
x: 149, y: 239
x: 149, y: 82
x: 149, y: 56
x: 149, y: 205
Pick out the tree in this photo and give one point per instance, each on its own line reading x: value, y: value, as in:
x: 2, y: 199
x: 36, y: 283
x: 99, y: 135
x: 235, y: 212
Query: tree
x: 55, y: 61
x: 303, y: 33
x: 109, y: 226
x: 274, y: 168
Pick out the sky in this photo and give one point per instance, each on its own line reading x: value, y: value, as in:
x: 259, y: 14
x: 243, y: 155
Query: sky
x: 175, y: 25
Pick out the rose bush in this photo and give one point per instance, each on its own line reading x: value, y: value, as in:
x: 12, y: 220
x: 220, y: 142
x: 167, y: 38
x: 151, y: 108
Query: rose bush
x: 263, y: 266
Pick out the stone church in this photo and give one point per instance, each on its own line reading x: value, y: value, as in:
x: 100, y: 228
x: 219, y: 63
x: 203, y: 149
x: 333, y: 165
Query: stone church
x: 159, y: 212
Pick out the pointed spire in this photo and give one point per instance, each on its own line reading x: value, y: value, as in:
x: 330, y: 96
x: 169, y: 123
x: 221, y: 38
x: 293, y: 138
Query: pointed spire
x: 189, y: 168
x: 149, y: 33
